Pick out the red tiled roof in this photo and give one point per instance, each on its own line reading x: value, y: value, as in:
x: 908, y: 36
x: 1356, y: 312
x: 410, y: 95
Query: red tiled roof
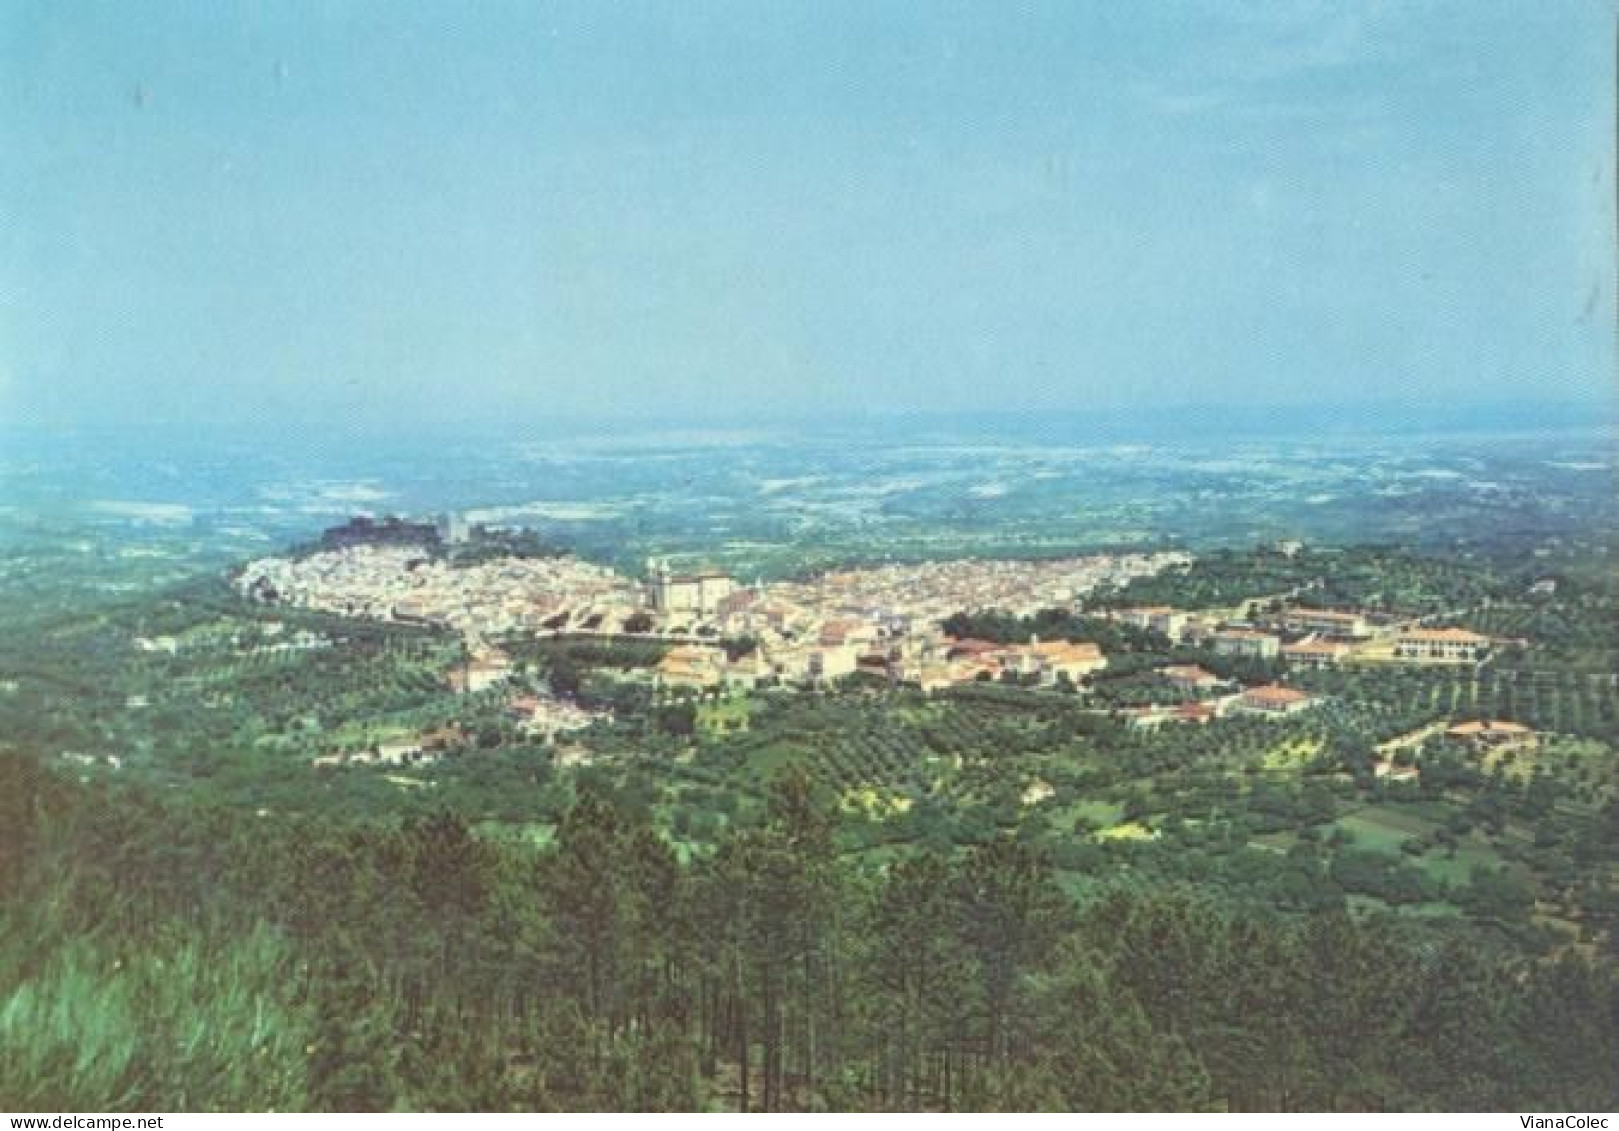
x: 1274, y: 693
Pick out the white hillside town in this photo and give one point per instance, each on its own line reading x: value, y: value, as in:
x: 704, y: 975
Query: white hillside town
x: 804, y: 632
x: 887, y: 622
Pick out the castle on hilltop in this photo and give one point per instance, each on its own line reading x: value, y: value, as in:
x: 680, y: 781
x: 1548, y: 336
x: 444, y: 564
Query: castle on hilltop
x: 363, y: 530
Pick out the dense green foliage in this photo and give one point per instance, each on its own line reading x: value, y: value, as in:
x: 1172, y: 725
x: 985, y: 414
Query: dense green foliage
x: 197, y: 960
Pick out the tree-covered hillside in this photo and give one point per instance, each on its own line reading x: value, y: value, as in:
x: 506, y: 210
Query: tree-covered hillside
x: 158, y: 956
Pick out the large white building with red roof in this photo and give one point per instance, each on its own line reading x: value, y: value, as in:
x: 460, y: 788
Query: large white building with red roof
x: 1452, y: 645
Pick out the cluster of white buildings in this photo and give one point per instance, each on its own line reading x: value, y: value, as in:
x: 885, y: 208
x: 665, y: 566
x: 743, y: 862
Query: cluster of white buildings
x: 854, y: 608
x: 408, y: 584
x: 885, y: 619
x: 932, y: 591
x: 1306, y: 637
x: 926, y: 658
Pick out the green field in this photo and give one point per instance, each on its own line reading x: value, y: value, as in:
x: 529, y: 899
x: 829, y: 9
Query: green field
x: 730, y: 713
x: 1383, y: 829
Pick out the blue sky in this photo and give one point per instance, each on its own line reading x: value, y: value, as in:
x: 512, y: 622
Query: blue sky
x: 283, y: 211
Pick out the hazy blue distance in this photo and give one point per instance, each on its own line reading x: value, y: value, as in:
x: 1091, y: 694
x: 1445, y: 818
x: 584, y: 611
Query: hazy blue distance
x: 410, y: 212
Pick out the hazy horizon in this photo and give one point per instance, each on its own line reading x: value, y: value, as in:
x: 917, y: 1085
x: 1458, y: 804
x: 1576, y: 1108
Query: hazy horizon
x: 1168, y: 424
x: 407, y: 214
